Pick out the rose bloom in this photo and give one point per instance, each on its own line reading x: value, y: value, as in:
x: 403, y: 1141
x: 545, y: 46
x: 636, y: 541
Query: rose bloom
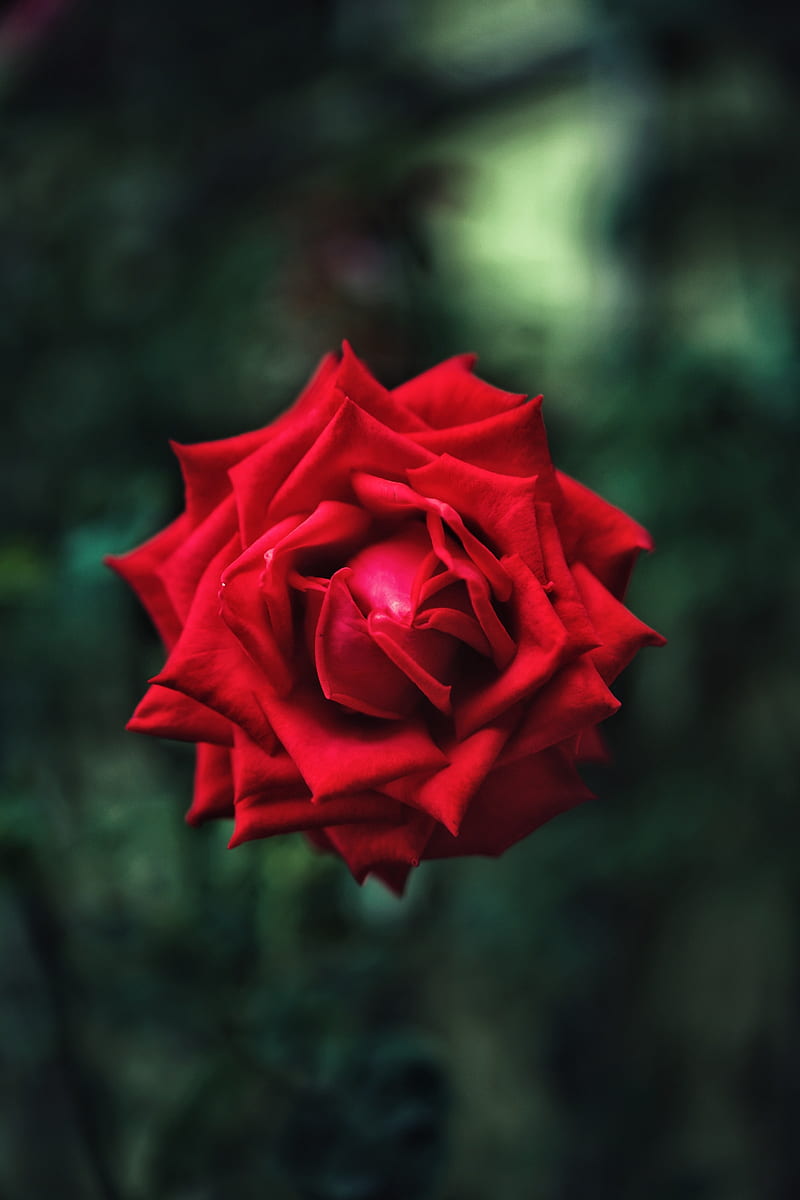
x: 390, y: 622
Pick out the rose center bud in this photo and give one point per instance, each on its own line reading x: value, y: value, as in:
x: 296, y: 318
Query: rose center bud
x: 384, y: 574
x: 369, y: 655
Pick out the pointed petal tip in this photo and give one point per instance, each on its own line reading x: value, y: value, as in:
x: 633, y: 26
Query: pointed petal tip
x: 452, y: 824
x: 393, y: 880
x: 116, y: 563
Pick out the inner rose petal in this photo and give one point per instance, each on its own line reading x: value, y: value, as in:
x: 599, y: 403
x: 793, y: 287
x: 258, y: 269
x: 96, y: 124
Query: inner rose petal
x: 385, y: 575
x: 368, y: 655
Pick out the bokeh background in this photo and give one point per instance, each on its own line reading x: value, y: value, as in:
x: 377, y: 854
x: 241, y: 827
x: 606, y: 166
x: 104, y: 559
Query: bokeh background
x: 601, y: 198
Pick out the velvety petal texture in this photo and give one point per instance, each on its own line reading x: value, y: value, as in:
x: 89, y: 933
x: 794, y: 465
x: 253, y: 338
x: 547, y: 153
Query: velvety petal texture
x: 390, y: 623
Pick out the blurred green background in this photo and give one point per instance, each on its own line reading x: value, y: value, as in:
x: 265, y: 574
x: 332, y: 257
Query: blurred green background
x: 600, y: 197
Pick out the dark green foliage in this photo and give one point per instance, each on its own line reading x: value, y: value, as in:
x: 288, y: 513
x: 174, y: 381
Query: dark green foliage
x: 373, y: 1130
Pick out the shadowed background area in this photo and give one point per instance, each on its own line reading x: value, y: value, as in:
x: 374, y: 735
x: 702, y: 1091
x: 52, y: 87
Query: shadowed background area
x: 599, y: 197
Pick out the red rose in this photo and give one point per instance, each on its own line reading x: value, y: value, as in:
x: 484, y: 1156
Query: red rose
x: 391, y: 623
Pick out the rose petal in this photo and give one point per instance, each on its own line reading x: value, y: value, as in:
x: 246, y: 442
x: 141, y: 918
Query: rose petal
x: 574, y: 698
x: 544, y: 645
x: 512, y: 802
x: 411, y: 650
x: 256, y: 479
x: 258, y: 818
x: 359, y: 385
x: 387, y: 575
x: 387, y: 497
x: 139, y: 568
x: 456, y: 624
x: 446, y: 794
x: 622, y: 634
x: 500, y: 505
x: 372, y: 844
x: 352, y: 667
x: 208, y: 663
x: 591, y: 747
x: 213, y: 786
x: 561, y: 587
x: 272, y: 798
x: 393, y: 875
x: 181, y: 572
x: 205, y: 466
x: 338, y: 752
x: 501, y: 645
x: 513, y: 443
x: 352, y: 441
x: 256, y: 599
x: 596, y: 533
x: 449, y: 394
x: 264, y: 775
x: 163, y: 712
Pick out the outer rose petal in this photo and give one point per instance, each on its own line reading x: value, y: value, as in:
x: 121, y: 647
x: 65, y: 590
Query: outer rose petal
x: 446, y: 794
x: 512, y: 802
x: 260, y: 776
x: 449, y: 394
x: 564, y: 594
x: 209, y: 665
x: 596, y: 533
x: 163, y: 712
x: 213, y: 785
x: 575, y: 697
x: 352, y: 441
x: 272, y: 798
x: 509, y: 443
x: 591, y: 747
x: 182, y: 571
x: 358, y: 384
x: 256, y: 479
x: 339, y: 753
x: 622, y: 634
x: 373, y: 844
x: 393, y: 875
x: 139, y: 568
x: 258, y: 818
x: 205, y: 466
